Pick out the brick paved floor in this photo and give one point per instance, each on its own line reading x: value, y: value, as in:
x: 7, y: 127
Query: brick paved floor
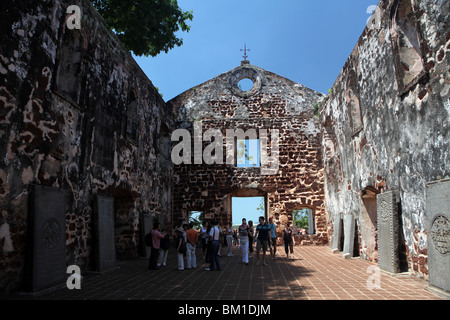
x: 314, y: 274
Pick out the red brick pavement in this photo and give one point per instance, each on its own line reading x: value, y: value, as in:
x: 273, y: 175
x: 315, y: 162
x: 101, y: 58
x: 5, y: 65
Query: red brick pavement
x: 314, y: 274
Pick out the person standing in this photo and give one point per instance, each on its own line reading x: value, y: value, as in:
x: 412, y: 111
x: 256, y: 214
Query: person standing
x: 181, y: 248
x: 229, y: 238
x: 192, y: 237
x: 251, y: 232
x: 203, y: 235
x: 214, y: 236
x: 273, y: 239
x: 154, y: 253
x: 243, y: 237
x: 164, y: 245
x: 262, y: 238
x: 288, y: 240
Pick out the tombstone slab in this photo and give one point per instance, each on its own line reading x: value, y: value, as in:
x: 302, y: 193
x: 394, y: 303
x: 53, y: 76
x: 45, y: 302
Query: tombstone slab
x: 337, y: 234
x: 48, y: 235
x: 349, y: 235
x: 106, y: 248
x: 388, y: 231
x: 438, y: 221
x: 146, y: 227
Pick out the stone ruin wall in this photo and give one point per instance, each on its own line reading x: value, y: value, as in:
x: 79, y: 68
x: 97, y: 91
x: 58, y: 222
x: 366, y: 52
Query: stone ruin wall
x: 277, y: 104
x: 77, y: 113
x: 386, y: 124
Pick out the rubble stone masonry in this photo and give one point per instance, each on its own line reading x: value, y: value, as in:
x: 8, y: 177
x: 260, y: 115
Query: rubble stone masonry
x: 76, y: 113
x: 273, y: 102
x: 386, y: 124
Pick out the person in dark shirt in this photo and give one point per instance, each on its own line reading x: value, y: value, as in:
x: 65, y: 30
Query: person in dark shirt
x: 262, y: 237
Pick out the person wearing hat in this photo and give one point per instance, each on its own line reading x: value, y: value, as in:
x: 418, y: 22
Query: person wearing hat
x: 181, y: 249
x: 273, y: 240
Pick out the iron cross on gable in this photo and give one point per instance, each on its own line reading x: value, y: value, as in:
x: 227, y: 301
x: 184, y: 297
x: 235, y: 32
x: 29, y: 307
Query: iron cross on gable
x: 245, y: 52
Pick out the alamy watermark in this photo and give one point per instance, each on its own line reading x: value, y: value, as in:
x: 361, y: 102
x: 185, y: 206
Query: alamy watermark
x: 74, y: 280
x: 74, y: 19
x: 214, y: 152
x: 373, y: 22
x: 374, y: 280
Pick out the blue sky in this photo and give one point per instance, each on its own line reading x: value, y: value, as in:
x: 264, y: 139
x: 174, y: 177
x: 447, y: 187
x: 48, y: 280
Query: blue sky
x: 307, y: 41
x: 243, y: 207
x: 303, y: 40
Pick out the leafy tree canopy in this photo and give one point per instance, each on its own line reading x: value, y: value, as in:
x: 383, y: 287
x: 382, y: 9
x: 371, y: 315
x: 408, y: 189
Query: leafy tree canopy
x: 145, y: 27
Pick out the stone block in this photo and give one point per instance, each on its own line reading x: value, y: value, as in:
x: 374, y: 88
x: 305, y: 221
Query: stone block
x: 388, y: 231
x: 104, y: 221
x: 47, y: 262
x: 336, y: 241
x: 438, y: 221
x: 349, y: 235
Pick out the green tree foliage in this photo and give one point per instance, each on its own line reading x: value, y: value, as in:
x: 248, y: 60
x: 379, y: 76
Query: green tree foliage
x: 300, y: 218
x: 146, y: 27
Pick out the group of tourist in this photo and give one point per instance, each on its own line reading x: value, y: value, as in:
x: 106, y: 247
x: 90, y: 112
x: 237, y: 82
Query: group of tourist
x: 209, y: 236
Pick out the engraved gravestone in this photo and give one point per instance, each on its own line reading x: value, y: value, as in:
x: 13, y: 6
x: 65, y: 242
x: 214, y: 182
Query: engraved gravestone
x: 349, y: 235
x: 106, y: 249
x: 336, y: 243
x: 48, y: 235
x: 146, y: 227
x: 438, y: 221
x: 388, y: 231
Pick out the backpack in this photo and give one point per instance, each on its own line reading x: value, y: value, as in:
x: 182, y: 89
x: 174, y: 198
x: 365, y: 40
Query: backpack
x: 165, y: 242
x: 287, y: 235
x: 182, y: 246
x: 149, y: 239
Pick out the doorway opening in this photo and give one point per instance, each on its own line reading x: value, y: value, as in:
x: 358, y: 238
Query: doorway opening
x: 303, y: 219
x: 196, y: 217
x: 250, y: 208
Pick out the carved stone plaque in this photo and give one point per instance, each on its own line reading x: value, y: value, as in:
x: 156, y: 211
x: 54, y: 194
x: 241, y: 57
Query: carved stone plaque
x: 106, y: 248
x: 438, y: 230
x: 48, y: 234
x: 146, y: 227
x: 388, y: 232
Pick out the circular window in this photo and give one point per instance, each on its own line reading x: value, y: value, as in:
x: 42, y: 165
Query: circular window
x: 245, y: 82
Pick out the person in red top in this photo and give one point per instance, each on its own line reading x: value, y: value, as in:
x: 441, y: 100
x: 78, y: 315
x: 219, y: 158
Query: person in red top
x: 191, y: 237
x: 154, y: 253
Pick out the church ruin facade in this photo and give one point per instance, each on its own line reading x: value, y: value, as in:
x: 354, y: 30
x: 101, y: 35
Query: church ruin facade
x: 88, y: 146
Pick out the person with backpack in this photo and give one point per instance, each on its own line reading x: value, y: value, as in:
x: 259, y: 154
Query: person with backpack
x: 156, y: 236
x: 164, y: 246
x: 288, y: 240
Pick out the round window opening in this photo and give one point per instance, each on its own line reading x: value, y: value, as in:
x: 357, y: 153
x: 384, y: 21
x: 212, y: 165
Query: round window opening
x: 245, y: 84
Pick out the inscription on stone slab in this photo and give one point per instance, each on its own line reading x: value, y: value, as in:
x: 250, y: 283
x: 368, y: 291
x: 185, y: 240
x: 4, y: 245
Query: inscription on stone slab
x: 106, y: 248
x: 438, y: 218
x: 146, y: 227
x: 48, y: 225
x: 388, y: 232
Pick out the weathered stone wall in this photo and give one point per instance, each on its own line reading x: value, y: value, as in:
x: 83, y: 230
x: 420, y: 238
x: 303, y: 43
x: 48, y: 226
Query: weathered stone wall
x: 386, y: 123
x: 274, y: 102
x: 76, y: 112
